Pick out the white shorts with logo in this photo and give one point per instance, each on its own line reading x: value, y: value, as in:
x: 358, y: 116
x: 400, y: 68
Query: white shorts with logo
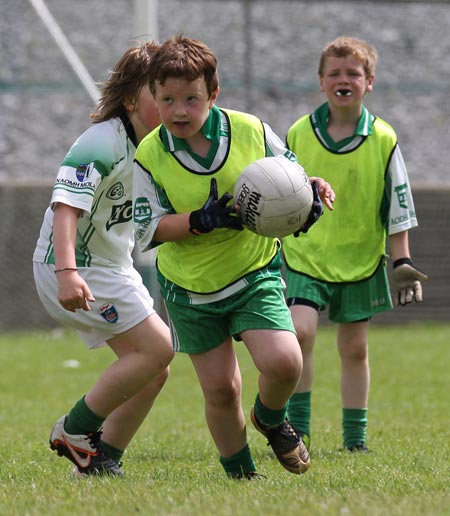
x: 121, y: 302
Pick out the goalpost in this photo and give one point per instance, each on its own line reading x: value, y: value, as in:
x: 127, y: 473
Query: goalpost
x: 146, y: 27
x: 66, y: 48
x: 146, y: 19
x: 146, y: 24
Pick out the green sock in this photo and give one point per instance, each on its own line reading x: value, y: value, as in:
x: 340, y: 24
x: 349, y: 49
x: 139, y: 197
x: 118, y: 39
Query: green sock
x: 299, y: 412
x: 81, y: 419
x: 113, y: 453
x: 239, y: 464
x: 354, y: 424
x: 269, y: 417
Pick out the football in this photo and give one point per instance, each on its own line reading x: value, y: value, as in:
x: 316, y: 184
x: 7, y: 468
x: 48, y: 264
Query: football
x: 274, y: 195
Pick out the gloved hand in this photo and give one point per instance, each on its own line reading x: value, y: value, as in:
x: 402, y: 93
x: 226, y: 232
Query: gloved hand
x: 407, y: 282
x: 315, y: 213
x: 215, y: 214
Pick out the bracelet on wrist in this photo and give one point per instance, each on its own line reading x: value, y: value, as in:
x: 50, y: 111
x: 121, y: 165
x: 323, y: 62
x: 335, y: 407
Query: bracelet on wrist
x: 66, y: 269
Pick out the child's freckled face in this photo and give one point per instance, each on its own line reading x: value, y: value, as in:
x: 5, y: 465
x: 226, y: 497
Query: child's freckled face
x: 344, y: 81
x: 184, y: 106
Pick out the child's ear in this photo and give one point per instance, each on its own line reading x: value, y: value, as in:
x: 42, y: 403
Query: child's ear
x: 213, y: 98
x: 322, y: 88
x: 370, y: 83
x: 129, y: 104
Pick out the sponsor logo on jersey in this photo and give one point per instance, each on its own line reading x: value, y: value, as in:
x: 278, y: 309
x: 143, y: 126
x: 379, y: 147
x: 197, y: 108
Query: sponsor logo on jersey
x: 116, y: 192
x: 109, y: 313
x: 83, y: 171
x: 120, y: 214
x: 140, y: 232
x: 142, y: 210
x: 74, y: 184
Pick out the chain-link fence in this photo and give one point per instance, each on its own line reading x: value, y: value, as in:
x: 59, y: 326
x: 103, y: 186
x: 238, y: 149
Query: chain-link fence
x: 268, y: 56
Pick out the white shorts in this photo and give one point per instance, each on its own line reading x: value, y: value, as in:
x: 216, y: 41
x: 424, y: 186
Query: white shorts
x: 121, y: 302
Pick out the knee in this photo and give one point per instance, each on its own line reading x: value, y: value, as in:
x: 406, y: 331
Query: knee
x: 166, y: 355
x: 161, y: 379
x: 355, y: 350
x: 159, y: 359
x: 223, y: 396
x: 286, y: 368
x: 153, y: 388
x: 292, y: 370
x: 306, y: 335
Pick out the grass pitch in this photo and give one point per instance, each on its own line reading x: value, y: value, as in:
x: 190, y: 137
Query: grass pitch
x: 172, y: 467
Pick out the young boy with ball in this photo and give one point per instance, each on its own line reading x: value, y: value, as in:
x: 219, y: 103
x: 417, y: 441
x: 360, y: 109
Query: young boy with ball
x: 219, y: 280
x: 340, y: 263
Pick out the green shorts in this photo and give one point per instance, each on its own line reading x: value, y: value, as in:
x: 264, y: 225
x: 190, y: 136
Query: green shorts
x: 199, y: 328
x: 346, y: 302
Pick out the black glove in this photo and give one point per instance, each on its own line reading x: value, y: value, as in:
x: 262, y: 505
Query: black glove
x: 315, y: 213
x: 215, y: 214
x: 407, y: 282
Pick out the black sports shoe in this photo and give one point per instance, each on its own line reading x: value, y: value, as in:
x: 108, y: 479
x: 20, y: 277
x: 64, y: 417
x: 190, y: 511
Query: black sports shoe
x: 251, y: 475
x: 288, y: 447
x: 306, y: 439
x: 83, y: 450
x: 358, y: 448
x: 78, y: 473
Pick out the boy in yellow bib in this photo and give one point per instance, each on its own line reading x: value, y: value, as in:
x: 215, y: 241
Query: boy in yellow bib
x: 218, y: 279
x: 340, y: 263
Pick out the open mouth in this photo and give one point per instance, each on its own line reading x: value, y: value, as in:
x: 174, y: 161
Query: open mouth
x: 343, y: 93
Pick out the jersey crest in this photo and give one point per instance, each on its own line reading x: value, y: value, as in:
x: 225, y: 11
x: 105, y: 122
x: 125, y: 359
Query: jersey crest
x: 83, y: 171
x: 116, y: 192
x: 109, y: 313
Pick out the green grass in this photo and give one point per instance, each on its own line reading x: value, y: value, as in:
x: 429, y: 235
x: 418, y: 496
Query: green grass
x: 172, y: 465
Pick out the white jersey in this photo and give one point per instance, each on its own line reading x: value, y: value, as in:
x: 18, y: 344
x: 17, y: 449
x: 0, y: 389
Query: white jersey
x: 96, y: 176
x: 400, y: 218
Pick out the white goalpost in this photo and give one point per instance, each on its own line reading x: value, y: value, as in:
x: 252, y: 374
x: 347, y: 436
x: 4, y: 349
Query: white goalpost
x: 145, y: 27
x: 145, y: 23
x: 146, y: 19
x: 66, y: 48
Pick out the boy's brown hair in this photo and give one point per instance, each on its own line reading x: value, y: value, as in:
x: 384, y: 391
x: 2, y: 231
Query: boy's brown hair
x: 186, y: 58
x: 345, y: 46
x: 126, y: 80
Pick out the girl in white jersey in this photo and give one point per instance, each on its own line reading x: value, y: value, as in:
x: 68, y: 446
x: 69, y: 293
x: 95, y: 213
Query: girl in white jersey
x: 85, y: 277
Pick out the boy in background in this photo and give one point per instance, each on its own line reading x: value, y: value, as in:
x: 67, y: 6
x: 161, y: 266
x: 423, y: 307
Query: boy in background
x: 340, y: 263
